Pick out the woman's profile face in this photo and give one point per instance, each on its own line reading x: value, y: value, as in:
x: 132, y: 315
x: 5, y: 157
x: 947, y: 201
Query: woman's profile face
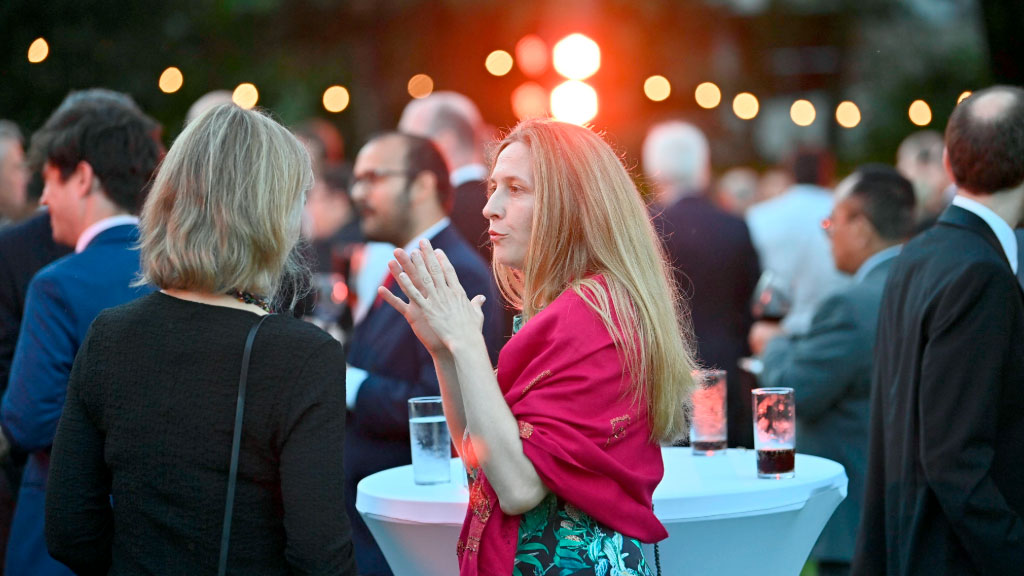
x: 509, y: 206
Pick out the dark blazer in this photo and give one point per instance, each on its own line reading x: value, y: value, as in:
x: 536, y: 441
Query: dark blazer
x: 399, y: 367
x: 468, y: 216
x: 945, y: 484
x: 63, y: 299
x: 716, y: 269
x: 829, y: 369
x: 24, y: 249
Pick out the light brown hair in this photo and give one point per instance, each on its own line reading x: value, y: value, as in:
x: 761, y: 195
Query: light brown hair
x: 589, y: 219
x: 225, y: 209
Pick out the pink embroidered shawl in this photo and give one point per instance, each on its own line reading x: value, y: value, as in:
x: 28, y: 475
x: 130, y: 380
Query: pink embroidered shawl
x: 564, y: 381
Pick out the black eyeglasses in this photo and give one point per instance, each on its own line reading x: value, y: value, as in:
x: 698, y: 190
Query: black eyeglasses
x: 373, y: 176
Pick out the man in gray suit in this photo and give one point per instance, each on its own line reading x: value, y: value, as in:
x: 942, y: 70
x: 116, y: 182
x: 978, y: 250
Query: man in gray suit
x: 830, y: 366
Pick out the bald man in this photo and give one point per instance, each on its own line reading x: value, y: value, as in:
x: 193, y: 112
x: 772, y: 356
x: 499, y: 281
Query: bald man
x: 945, y: 484
x: 453, y: 122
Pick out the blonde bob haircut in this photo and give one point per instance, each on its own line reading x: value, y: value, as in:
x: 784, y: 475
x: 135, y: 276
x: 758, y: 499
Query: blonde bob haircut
x: 590, y: 219
x: 225, y: 209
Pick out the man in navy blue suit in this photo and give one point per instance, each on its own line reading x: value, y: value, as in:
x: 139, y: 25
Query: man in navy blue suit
x: 712, y: 256
x: 403, y: 193
x: 98, y: 161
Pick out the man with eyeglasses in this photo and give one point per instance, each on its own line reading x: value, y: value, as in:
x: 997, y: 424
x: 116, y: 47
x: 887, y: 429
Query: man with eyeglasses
x: 402, y: 191
x: 830, y: 366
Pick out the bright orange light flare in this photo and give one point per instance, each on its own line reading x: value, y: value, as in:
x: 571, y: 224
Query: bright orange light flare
x: 532, y: 55
x: 498, y: 63
x: 529, y: 100
x: 336, y: 99
x: 171, y: 80
x: 245, y: 95
x: 963, y: 96
x: 708, y: 95
x: 420, y: 86
x: 657, y: 88
x: 802, y: 113
x: 574, y: 102
x: 920, y: 113
x: 847, y: 114
x: 38, y: 51
x: 339, y: 292
x: 745, y: 106
x: 577, y: 57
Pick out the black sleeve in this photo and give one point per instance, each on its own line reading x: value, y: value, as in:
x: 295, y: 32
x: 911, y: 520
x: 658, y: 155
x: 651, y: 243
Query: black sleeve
x: 79, y: 519
x: 319, y: 536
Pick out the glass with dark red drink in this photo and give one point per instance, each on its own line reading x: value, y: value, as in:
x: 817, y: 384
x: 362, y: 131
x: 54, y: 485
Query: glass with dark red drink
x: 775, y: 432
x: 708, y: 432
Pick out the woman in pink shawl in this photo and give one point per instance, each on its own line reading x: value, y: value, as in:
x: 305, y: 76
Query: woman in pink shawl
x: 563, y: 440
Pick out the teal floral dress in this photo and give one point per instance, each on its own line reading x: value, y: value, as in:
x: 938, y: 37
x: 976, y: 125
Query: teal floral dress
x: 558, y: 539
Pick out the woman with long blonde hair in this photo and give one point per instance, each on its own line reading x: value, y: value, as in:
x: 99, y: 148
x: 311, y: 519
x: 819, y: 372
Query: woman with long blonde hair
x: 563, y: 440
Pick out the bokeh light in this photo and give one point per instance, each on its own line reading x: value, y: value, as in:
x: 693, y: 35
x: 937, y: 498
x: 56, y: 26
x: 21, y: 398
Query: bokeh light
x: 920, y: 113
x: 245, y: 96
x: 339, y: 292
x: 708, y: 95
x: 963, y: 96
x: 420, y: 86
x: 498, y: 63
x: 574, y: 102
x: 576, y: 57
x: 745, y: 106
x: 171, y: 80
x: 532, y: 55
x: 847, y: 114
x: 529, y: 100
x: 38, y: 51
x: 657, y: 88
x: 802, y: 113
x: 336, y: 99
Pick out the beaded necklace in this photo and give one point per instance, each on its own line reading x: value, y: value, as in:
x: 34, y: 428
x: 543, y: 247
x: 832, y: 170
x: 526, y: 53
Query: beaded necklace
x: 255, y: 299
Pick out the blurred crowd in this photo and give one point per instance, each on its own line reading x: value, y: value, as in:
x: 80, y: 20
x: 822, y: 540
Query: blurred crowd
x: 786, y: 273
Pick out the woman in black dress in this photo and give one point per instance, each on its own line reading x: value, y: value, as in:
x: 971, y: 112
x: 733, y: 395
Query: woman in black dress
x: 141, y: 459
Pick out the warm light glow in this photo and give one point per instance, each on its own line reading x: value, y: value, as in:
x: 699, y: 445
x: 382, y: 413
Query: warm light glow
x: 336, y: 99
x: 529, y: 100
x: 420, y: 86
x: 532, y: 55
x: 38, y: 51
x: 745, y: 106
x: 574, y: 102
x: 499, y: 63
x: 847, y: 114
x: 339, y: 292
x: 708, y: 95
x: 657, y: 88
x: 803, y: 113
x: 171, y: 80
x: 920, y: 113
x: 963, y: 96
x: 245, y: 96
x: 577, y: 57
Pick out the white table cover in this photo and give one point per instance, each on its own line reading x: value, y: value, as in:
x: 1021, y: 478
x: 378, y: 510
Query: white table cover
x: 721, y: 518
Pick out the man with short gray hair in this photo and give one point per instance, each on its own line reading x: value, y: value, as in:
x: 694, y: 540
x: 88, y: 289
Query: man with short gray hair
x: 712, y: 256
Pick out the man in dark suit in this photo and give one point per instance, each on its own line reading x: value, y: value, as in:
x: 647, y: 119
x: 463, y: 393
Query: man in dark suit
x: 713, y: 258
x: 402, y: 190
x: 945, y: 484
x: 99, y: 158
x: 830, y: 366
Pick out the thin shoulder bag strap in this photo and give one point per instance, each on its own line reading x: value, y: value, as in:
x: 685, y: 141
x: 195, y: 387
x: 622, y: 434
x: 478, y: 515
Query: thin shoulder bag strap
x: 236, y: 442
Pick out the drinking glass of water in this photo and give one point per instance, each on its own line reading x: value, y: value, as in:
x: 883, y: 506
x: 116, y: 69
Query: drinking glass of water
x: 430, y: 440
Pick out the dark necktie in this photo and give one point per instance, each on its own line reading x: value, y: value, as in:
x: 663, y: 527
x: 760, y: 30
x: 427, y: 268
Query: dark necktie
x: 1019, y: 233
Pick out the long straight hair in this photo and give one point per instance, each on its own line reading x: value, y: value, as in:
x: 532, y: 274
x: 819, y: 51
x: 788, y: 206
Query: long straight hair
x: 589, y: 219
